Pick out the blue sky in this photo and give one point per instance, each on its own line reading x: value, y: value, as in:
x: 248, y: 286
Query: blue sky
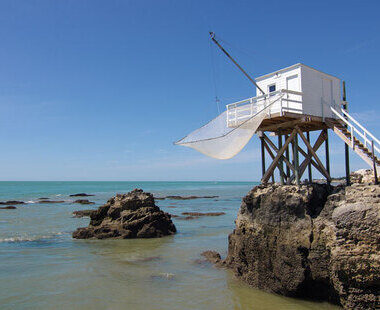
x: 99, y: 90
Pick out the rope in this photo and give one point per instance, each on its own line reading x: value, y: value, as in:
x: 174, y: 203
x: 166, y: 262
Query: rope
x: 250, y: 54
x: 213, y: 73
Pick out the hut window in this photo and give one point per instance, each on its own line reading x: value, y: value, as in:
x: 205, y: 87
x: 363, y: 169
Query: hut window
x: 272, y: 88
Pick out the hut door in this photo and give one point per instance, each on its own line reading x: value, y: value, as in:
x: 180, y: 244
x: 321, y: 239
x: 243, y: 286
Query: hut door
x: 293, y: 101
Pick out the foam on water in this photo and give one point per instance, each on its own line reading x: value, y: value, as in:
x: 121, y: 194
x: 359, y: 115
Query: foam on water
x: 31, y: 238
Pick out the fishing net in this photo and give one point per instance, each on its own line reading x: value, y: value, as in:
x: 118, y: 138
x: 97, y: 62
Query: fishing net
x: 227, y: 134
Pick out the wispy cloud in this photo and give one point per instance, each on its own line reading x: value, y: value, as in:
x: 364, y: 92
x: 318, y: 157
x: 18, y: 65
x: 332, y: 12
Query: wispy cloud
x: 367, y: 116
x: 358, y: 46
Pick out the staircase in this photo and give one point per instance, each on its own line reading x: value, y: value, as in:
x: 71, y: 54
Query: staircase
x: 361, y: 141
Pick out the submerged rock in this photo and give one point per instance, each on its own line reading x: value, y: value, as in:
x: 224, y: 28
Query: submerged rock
x: 12, y: 202
x: 311, y: 241
x: 163, y: 276
x: 8, y: 208
x: 81, y: 195
x: 187, y: 217
x: 197, y: 214
x: 131, y: 215
x: 189, y: 197
x: 51, y: 201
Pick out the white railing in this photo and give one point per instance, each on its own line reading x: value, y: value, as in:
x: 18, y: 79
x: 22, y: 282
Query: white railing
x: 354, y: 127
x: 240, y: 111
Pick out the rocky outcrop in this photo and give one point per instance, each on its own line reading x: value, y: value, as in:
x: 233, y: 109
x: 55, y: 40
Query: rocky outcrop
x: 84, y: 202
x: 81, y: 195
x: 314, y: 241
x: 131, y: 215
x: 362, y: 176
x: 213, y: 257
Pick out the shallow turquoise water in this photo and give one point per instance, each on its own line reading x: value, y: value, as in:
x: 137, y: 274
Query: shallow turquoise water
x: 42, y: 267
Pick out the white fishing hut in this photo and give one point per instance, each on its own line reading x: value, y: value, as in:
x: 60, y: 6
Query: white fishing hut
x: 319, y: 90
x: 293, y: 91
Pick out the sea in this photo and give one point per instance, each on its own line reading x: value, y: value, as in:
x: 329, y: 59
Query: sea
x: 43, y: 267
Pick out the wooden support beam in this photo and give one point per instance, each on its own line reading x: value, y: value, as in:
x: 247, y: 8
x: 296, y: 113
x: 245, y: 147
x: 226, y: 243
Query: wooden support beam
x: 309, y: 155
x: 279, y: 154
x: 327, y: 151
x: 374, y: 163
x: 296, y: 159
x: 286, y: 160
x: 281, y: 169
x: 346, y: 148
x: 310, y: 160
x: 317, y: 144
x: 288, y: 124
x: 280, y: 164
x: 326, y: 174
x: 262, y: 157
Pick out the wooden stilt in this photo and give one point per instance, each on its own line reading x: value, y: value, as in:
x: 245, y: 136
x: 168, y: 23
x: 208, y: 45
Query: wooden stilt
x: 325, y: 173
x: 270, y: 143
x: 273, y: 165
x: 315, y: 164
x: 282, y: 173
x: 327, y: 152
x: 309, y: 155
x: 280, y: 164
x: 374, y: 163
x: 346, y: 148
x: 295, y: 160
x: 262, y: 156
x: 308, y: 158
x: 288, y: 158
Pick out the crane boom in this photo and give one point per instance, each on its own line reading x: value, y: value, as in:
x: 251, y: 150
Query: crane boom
x: 212, y: 35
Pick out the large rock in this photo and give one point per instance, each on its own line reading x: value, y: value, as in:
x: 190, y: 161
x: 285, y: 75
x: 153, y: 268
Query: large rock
x: 310, y: 242
x: 131, y: 215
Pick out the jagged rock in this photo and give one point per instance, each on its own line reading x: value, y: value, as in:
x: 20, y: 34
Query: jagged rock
x: 355, y: 254
x: 212, y: 257
x: 84, y: 202
x: 83, y: 213
x: 81, y: 195
x: 131, y: 215
x: 310, y: 242
x: 12, y: 202
x: 8, y: 208
x: 362, y: 176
